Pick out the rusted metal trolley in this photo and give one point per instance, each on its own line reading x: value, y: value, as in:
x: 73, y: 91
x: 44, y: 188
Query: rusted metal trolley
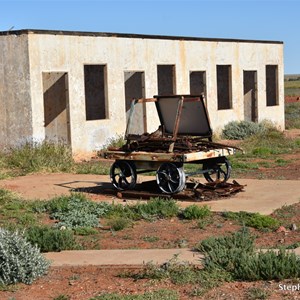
x: 184, y: 136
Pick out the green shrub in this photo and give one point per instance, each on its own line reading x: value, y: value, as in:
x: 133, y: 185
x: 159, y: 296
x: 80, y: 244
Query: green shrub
x: 118, y: 223
x: 59, y: 204
x: 19, y: 260
x: 196, y: 212
x: 235, y: 254
x: 242, y: 163
x: 285, y: 212
x: 207, y: 280
x: 92, y: 167
x: 254, y: 220
x: 262, y: 151
x: 124, y: 211
x: 115, y: 142
x: 226, y: 252
x: 156, y: 295
x: 255, y: 293
x: 44, y: 156
x: 76, y: 211
x: 292, y: 112
x: 183, y: 273
x: 178, y: 273
x: 293, y: 246
x: 157, y: 207
x: 239, y: 130
x: 85, y: 231
x: 269, y: 266
x: 259, y: 221
x: 203, y: 223
x: 152, y: 271
x: 50, y: 239
x: 7, y: 196
x: 268, y: 142
x: 15, y: 209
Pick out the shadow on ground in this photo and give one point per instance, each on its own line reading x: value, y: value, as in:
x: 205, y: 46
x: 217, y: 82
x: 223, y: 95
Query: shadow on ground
x: 193, y: 191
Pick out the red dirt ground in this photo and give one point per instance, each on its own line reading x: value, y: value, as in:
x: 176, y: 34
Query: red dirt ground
x: 291, y: 99
x: 85, y: 282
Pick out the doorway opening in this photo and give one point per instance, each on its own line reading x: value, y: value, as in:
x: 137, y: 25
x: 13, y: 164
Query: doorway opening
x: 56, y: 107
x: 135, y: 89
x: 250, y: 96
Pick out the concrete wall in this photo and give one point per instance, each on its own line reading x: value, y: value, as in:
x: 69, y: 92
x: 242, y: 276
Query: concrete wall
x: 69, y: 53
x: 15, y: 100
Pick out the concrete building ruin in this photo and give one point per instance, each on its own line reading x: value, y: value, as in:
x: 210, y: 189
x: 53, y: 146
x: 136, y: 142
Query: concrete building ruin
x: 76, y: 87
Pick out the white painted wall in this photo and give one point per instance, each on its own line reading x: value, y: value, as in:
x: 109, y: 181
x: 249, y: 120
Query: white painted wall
x: 15, y: 102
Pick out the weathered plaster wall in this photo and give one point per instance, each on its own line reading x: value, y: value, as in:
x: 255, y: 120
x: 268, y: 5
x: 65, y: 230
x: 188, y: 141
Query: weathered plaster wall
x: 15, y: 101
x: 66, y: 53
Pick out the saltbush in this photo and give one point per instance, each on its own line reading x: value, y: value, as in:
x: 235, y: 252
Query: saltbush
x: 118, y: 223
x: 236, y: 255
x: 183, y: 273
x: 157, y: 207
x: 155, y: 295
x: 123, y: 211
x: 196, y: 212
x: 76, y: 211
x: 254, y: 220
x: 50, y: 239
x: 239, y: 130
x: 227, y: 251
x: 19, y: 260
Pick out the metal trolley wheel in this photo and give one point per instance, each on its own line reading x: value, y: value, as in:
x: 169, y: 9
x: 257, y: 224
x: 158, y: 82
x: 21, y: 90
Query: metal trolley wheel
x: 123, y: 175
x: 218, y: 170
x: 170, y: 178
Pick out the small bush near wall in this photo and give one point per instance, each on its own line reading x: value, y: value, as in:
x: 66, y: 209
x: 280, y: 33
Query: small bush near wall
x: 240, y: 130
x: 37, y: 157
x: 115, y: 142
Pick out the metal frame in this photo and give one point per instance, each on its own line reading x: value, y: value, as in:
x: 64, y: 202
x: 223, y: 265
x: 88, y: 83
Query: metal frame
x: 168, y: 162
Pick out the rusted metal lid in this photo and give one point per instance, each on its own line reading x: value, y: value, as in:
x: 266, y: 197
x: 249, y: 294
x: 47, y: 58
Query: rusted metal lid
x: 184, y: 115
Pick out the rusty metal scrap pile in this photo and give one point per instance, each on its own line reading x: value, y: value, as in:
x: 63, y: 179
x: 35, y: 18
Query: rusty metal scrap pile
x: 181, y: 145
x: 194, y: 191
x: 212, y: 190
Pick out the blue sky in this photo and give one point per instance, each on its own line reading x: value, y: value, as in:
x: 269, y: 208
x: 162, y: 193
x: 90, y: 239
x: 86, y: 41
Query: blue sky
x: 277, y: 20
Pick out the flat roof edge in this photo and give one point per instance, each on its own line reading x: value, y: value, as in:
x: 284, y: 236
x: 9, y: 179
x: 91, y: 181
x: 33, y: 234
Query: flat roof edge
x: 131, y: 35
